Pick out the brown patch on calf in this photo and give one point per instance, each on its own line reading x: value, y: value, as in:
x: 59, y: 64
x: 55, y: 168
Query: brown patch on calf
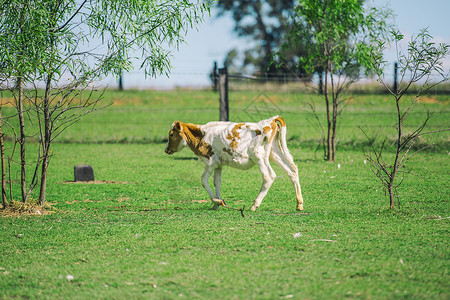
x: 274, y: 128
x: 275, y: 125
x: 258, y: 132
x: 271, y: 130
x: 194, y: 138
x: 280, y: 120
x: 266, y: 129
x: 234, y: 136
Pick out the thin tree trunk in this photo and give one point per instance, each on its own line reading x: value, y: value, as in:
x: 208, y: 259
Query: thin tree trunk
x: 391, y: 195
x: 2, y: 158
x: 21, y: 117
x: 267, y: 66
x: 397, y: 156
x: 327, y: 103
x: 45, y: 142
x: 320, y: 73
x: 333, y: 137
x: 22, y: 140
x: 43, y: 186
x: 47, y: 135
x: 334, y: 120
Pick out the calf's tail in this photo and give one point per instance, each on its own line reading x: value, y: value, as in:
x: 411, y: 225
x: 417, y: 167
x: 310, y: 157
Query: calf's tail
x: 281, y: 138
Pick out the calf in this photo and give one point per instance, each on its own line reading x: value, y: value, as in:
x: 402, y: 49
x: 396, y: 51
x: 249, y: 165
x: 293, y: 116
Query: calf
x: 239, y: 145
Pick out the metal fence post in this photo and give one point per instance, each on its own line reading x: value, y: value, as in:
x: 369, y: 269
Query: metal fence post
x: 223, y: 91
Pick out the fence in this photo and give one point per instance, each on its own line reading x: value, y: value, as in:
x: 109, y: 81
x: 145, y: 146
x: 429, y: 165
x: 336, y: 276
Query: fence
x: 284, y: 83
x: 254, y: 98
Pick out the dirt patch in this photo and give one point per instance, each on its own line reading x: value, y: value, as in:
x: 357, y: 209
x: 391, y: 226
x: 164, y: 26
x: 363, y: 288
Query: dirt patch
x: 428, y: 99
x: 94, y: 182
x: 127, y: 101
x: 7, y: 101
x: 292, y: 214
x: 201, y: 201
x: 18, y: 209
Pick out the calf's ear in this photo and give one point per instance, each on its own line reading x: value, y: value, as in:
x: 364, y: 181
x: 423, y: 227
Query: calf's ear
x: 177, y: 125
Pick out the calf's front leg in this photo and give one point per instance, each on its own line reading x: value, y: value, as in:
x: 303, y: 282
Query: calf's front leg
x: 205, y: 177
x: 268, y: 176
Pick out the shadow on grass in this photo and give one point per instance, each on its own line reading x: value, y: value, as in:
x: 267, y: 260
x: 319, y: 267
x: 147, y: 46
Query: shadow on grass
x: 186, y: 158
x: 137, y: 210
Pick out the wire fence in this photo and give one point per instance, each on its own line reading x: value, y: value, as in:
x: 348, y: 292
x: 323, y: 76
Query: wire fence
x: 281, y: 82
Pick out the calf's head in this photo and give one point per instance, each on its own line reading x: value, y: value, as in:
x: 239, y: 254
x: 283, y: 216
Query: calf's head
x: 176, y: 141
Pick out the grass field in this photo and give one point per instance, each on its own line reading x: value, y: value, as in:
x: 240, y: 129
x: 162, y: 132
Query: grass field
x: 150, y: 234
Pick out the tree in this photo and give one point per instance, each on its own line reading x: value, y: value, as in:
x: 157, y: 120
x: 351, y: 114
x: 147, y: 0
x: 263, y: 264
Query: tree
x: 65, y: 45
x: 422, y: 62
x: 337, y: 36
x: 263, y: 21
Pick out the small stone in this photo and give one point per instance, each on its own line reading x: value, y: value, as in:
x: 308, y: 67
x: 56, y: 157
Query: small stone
x: 83, y: 173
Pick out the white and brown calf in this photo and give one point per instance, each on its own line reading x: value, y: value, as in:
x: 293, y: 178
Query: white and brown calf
x: 238, y: 145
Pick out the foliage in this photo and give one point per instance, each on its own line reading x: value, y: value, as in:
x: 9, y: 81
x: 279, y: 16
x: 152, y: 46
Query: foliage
x: 65, y: 46
x: 90, y: 39
x: 422, y: 60
x: 338, y: 38
x: 264, y: 23
x: 338, y: 35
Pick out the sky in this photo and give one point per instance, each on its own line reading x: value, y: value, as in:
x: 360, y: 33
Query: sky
x: 212, y: 40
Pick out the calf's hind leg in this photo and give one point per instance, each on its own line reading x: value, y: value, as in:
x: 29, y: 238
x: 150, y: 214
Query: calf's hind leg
x: 268, y: 176
x: 288, y: 165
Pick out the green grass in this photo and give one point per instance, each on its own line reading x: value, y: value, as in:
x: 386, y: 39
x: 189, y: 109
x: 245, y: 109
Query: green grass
x: 151, y: 235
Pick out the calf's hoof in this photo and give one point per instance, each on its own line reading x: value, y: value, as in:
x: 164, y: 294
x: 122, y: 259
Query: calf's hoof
x: 253, y: 208
x: 300, y: 207
x: 218, y: 201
